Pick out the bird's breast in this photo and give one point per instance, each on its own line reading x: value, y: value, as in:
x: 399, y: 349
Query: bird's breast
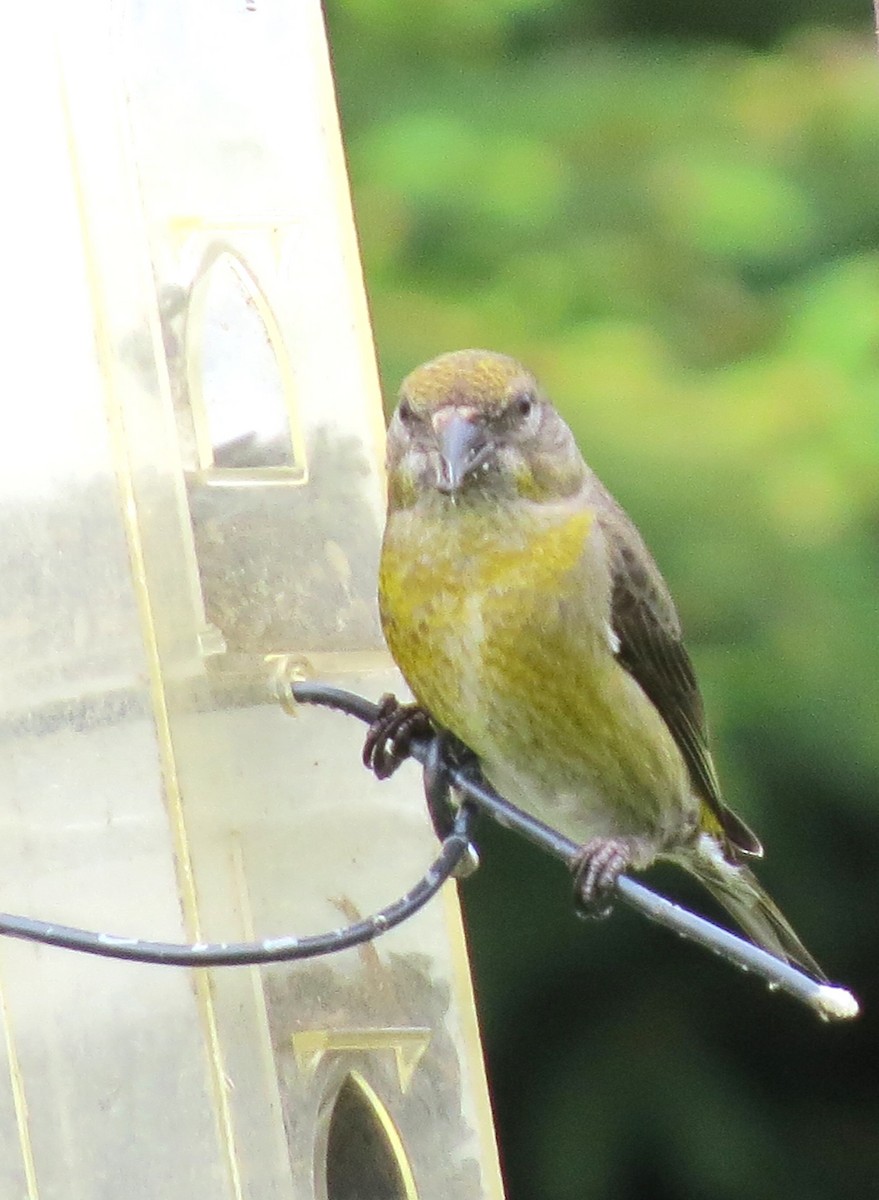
x: 502, y: 631
x: 477, y: 608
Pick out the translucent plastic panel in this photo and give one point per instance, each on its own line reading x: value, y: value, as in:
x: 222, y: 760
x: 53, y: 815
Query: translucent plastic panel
x: 190, y: 504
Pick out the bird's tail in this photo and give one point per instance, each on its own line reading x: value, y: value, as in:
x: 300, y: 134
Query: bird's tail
x: 741, y: 894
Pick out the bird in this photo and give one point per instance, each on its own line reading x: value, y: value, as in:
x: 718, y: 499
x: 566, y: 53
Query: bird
x: 530, y: 622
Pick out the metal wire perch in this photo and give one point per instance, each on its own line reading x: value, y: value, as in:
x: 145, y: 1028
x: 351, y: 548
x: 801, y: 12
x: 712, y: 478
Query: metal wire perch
x: 830, y: 1001
x: 456, y: 856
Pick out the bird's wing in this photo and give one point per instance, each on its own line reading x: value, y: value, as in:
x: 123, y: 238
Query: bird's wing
x: 651, y: 649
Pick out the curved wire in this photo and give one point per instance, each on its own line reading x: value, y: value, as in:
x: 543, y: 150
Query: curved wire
x: 831, y: 1002
x: 269, y: 950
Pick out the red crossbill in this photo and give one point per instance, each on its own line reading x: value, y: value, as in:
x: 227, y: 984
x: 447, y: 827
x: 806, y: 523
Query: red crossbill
x: 529, y: 619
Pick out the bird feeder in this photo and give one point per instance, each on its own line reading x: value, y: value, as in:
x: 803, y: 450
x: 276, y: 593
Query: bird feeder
x: 190, y: 510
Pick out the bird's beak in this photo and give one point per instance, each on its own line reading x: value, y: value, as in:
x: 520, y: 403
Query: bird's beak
x: 463, y: 445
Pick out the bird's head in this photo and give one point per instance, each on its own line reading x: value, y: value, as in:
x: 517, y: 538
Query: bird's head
x: 474, y: 426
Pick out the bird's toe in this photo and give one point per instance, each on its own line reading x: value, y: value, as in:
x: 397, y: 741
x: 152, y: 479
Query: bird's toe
x: 596, y: 869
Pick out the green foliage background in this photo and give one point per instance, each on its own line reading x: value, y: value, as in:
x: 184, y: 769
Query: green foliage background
x: 672, y: 215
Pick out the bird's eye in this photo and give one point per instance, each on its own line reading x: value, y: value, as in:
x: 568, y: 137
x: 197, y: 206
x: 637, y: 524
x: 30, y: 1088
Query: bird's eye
x: 406, y: 412
x: 523, y: 405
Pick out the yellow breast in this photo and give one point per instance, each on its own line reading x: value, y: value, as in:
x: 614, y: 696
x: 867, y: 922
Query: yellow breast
x: 463, y: 600
x: 501, y: 630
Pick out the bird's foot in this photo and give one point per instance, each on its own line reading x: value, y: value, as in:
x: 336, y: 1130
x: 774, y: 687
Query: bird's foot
x: 389, y: 736
x: 386, y: 747
x: 596, y: 869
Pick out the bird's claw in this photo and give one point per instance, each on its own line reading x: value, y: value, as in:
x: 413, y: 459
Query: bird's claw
x: 387, y: 745
x: 390, y: 734
x: 596, y: 869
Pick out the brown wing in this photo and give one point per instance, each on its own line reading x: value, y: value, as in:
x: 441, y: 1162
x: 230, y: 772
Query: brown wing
x: 651, y: 649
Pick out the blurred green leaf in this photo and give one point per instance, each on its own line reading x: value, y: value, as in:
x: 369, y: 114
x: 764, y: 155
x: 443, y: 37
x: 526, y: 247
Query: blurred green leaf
x: 681, y: 237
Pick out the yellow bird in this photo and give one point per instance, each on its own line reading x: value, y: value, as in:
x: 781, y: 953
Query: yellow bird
x: 529, y: 619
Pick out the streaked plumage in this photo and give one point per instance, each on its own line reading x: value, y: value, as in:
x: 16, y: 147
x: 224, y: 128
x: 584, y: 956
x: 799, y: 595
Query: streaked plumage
x: 528, y: 618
